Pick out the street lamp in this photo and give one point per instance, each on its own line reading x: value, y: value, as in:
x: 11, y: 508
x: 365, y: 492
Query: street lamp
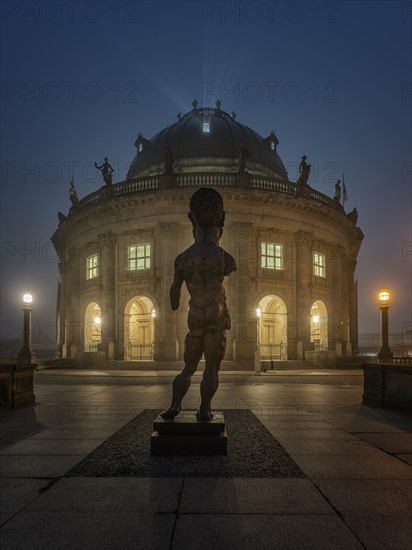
x: 25, y: 354
x: 385, y: 353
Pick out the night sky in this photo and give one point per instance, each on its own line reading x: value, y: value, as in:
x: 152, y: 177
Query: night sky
x: 81, y: 79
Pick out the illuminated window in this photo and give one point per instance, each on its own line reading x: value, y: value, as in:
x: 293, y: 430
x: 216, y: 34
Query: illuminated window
x: 140, y: 147
x: 271, y: 256
x: 138, y: 257
x: 92, y: 266
x: 206, y: 127
x: 319, y: 265
x: 272, y: 145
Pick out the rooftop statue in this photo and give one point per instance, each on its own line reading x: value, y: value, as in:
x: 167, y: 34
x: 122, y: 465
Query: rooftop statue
x: 338, y: 192
x: 107, y: 171
x: 203, y: 267
x: 73, y: 194
x: 304, y: 171
x: 353, y: 216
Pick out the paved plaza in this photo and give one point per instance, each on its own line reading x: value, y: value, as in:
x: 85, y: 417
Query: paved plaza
x: 356, y: 491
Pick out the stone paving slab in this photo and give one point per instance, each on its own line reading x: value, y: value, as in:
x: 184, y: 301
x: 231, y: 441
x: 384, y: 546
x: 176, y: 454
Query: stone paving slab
x: 313, y: 435
x: 356, y: 424
x: 371, y: 466
x: 252, y: 496
x: 364, y: 496
x: 405, y: 457
x: 329, y: 447
x: 37, y: 466
x: 15, y: 494
x: 257, y: 532
x: 88, y: 530
x: 389, y: 442
x: 73, y: 433
x: 379, y: 532
x: 54, y: 447
x: 98, y: 495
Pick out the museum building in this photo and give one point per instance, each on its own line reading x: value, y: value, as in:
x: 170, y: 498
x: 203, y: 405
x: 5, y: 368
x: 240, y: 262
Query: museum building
x: 294, y: 291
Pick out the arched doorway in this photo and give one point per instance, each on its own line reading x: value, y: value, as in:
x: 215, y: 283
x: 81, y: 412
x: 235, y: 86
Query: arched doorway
x: 92, y: 327
x: 139, y: 333
x: 272, y: 328
x: 319, y: 325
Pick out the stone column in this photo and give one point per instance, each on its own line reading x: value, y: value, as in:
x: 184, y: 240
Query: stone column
x: 167, y: 342
x: 337, y: 325
x: 73, y: 322
x: 303, y: 281
x: 352, y: 345
x: 107, y: 242
x: 61, y: 312
x: 243, y: 319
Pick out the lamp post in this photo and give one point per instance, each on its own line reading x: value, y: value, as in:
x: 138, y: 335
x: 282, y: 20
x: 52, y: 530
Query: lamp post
x: 385, y: 353
x: 258, y: 366
x: 25, y: 354
x: 153, y: 332
x: 316, y: 332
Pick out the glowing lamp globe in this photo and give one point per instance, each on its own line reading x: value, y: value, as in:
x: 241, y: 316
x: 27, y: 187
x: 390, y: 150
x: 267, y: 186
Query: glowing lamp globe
x: 384, y: 296
x: 27, y: 298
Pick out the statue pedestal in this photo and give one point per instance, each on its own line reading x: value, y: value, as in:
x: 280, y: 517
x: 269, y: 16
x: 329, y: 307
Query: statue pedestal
x: 184, y: 435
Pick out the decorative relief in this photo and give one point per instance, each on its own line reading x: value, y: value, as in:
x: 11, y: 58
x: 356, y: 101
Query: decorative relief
x: 137, y: 274
x: 241, y: 229
x: 320, y: 281
x: 272, y: 273
x: 169, y: 230
x: 107, y: 239
x: 303, y: 237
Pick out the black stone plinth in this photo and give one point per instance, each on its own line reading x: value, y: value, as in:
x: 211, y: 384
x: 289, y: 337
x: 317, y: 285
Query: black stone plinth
x: 185, y: 435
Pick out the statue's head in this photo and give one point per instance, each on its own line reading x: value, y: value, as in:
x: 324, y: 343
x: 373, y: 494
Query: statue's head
x: 304, y: 157
x: 106, y: 159
x: 206, y: 208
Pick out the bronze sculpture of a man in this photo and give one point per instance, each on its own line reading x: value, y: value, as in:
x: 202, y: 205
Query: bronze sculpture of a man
x: 203, y: 267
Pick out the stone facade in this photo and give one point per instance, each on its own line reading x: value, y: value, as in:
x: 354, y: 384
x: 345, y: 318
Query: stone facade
x: 296, y: 294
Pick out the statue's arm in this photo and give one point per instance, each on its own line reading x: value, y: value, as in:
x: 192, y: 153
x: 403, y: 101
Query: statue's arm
x: 176, y: 287
x: 230, y: 264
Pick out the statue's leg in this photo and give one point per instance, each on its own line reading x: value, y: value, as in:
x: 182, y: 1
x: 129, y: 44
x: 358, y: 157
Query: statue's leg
x: 192, y: 354
x: 214, y: 346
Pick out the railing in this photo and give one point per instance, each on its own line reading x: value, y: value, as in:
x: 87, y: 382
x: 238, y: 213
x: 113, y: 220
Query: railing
x: 270, y: 352
x: 207, y: 180
x: 403, y: 359
x: 139, y: 352
x: 211, y: 179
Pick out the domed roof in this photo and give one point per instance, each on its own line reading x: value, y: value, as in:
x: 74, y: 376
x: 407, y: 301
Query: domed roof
x: 207, y: 140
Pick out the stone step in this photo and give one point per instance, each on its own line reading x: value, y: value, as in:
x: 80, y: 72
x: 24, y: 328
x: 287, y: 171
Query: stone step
x: 291, y: 364
x: 354, y: 362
